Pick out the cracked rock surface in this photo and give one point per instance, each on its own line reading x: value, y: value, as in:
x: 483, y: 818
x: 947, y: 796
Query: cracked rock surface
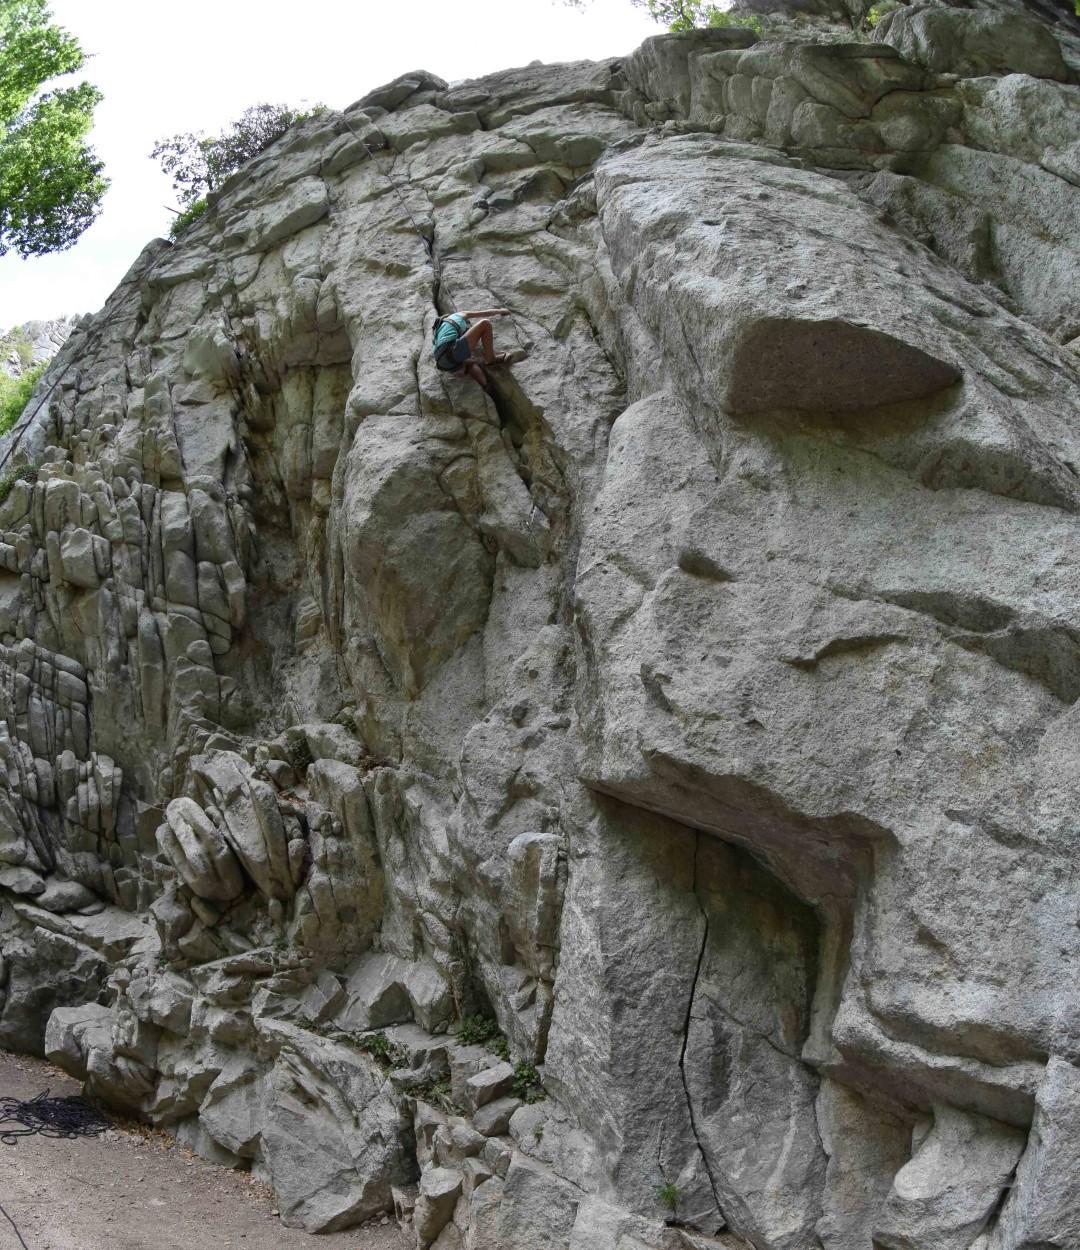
x: 631, y: 810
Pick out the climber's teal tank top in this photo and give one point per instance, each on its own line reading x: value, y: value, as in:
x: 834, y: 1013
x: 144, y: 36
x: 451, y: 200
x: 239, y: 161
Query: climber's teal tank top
x: 453, y: 327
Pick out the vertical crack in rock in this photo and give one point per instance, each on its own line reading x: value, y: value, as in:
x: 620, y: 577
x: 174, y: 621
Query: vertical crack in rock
x: 686, y: 1026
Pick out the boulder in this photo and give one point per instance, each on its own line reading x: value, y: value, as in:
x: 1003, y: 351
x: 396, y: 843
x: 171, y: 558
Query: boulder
x: 332, y: 1133
x: 198, y: 850
x: 488, y: 1085
x: 439, y: 1192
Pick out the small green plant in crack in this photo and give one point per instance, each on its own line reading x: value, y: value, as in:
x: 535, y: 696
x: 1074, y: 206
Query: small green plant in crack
x: 439, y: 1094
x: 538, y: 1133
x: 478, y: 1031
x: 668, y: 1193
x: 7, y: 480
x: 877, y: 11
x: 347, y: 719
x: 527, y: 1085
x: 311, y: 1026
x: 299, y: 750
x: 375, y: 1044
x: 380, y: 1048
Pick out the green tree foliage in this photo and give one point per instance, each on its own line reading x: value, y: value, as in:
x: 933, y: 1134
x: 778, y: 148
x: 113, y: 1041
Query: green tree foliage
x: 16, y: 341
x: 679, y: 15
x: 50, y: 180
x: 14, y: 394
x: 192, y: 213
x: 198, y: 164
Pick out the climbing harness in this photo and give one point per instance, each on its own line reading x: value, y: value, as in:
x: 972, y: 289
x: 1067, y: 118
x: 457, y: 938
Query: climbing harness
x: 456, y: 320
x: 49, y: 1117
x: 445, y: 347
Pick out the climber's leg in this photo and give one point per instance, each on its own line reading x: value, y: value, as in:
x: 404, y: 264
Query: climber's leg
x: 481, y: 333
x: 477, y: 374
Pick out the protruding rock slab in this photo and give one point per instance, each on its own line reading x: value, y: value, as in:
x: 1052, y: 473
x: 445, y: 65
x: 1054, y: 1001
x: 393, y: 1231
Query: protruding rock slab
x: 828, y: 366
x: 333, y: 1132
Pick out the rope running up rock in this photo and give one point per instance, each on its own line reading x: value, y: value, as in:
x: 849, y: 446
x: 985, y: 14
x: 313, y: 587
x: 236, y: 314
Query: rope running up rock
x: 440, y: 281
x: 49, y: 1117
x: 15, y: 1227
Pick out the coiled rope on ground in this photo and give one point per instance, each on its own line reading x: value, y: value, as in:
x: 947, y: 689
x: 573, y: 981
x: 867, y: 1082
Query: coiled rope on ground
x: 49, y: 1117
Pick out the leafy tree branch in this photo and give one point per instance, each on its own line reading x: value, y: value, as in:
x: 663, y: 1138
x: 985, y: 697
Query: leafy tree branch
x: 50, y: 179
x: 198, y: 163
x: 680, y: 15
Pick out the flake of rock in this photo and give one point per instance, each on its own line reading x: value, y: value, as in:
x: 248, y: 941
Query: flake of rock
x: 488, y: 1085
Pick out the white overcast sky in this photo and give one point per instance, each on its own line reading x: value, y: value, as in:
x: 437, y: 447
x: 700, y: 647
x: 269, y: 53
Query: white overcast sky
x: 197, y: 64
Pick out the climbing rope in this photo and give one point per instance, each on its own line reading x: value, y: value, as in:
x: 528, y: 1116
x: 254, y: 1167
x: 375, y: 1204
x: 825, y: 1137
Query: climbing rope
x: 49, y: 1117
x: 68, y: 1118
x: 15, y: 1227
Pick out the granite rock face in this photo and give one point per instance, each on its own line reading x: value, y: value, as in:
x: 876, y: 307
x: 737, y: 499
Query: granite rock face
x: 631, y: 810
x: 33, y: 343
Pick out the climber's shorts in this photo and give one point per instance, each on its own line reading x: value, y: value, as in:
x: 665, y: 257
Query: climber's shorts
x: 453, y: 355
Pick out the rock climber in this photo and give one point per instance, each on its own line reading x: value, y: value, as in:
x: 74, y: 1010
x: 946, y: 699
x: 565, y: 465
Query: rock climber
x: 453, y: 341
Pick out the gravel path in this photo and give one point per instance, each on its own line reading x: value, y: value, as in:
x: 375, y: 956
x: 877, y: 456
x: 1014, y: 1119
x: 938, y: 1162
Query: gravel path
x: 136, y: 1190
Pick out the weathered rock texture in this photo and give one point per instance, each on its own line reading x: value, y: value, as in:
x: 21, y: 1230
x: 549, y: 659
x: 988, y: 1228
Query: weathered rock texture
x: 700, y: 707
x: 32, y: 343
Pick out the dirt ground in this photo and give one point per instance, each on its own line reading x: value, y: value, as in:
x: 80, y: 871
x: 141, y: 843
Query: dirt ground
x: 135, y: 1190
